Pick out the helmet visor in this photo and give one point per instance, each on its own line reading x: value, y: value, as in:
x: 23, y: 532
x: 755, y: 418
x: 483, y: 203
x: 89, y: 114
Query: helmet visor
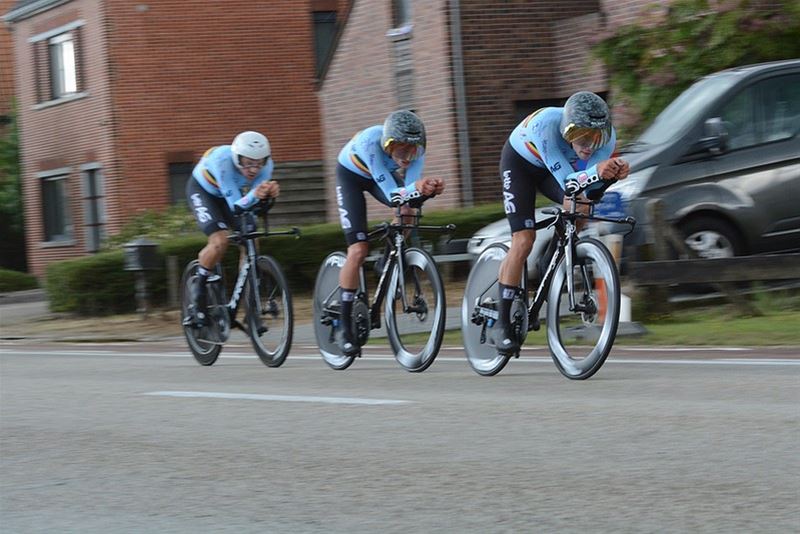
x: 402, y: 150
x: 589, y: 137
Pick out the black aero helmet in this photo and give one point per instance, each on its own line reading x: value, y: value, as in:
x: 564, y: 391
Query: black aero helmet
x: 586, y: 115
x: 403, y: 126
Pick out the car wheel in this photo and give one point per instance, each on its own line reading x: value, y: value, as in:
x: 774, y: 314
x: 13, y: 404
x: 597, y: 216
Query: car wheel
x: 710, y: 238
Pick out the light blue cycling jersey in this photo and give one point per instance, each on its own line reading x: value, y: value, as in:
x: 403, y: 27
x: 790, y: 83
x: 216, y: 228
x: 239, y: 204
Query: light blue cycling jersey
x: 217, y: 174
x: 364, y: 156
x: 538, y: 140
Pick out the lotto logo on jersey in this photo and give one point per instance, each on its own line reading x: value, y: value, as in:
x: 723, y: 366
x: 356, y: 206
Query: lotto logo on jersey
x: 506, y: 180
x: 508, y: 202
x: 200, y: 211
x: 344, y: 220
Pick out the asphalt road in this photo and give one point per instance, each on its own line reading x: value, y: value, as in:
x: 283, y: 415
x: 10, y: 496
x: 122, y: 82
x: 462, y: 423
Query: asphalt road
x: 139, y: 438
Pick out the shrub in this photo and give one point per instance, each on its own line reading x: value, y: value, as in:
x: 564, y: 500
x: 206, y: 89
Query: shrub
x: 99, y: 285
x: 653, y: 61
x: 16, y: 281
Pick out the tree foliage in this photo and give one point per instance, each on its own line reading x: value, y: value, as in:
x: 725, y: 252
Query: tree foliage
x: 654, y: 60
x: 12, y: 248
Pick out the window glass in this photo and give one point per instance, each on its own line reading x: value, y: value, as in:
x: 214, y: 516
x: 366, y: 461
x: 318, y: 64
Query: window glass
x: 738, y: 116
x: 401, y: 13
x: 93, y: 209
x: 684, y: 110
x: 324, y: 34
x: 780, y: 99
x: 63, y: 70
x: 55, y: 208
x: 179, y: 174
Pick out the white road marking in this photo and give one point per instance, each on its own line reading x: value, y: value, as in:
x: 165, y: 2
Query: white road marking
x: 281, y: 398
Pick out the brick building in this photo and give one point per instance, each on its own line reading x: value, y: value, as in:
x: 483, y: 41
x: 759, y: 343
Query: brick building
x: 118, y: 99
x: 471, y: 68
x: 6, y: 67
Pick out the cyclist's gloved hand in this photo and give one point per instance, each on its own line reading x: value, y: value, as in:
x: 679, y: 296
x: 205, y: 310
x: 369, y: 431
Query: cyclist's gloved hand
x: 267, y: 189
x: 623, y: 169
x: 427, y: 186
x: 607, y: 170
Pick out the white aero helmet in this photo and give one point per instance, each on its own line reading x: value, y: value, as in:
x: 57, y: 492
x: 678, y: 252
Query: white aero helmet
x: 251, y: 145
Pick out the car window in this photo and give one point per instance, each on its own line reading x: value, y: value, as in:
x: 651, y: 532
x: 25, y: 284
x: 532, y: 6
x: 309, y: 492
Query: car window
x: 781, y: 105
x: 763, y: 112
x: 738, y: 115
x: 682, y: 112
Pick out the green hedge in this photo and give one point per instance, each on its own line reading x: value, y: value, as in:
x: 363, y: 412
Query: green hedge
x: 98, y: 284
x: 16, y: 281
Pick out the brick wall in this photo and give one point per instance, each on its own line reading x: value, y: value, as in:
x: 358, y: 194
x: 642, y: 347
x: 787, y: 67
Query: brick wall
x: 6, y: 62
x: 358, y: 90
x: 65, y: 135
x: 164, y: 81
x: 189, y: 75
x: 525, y: 51
x: 516, y: 50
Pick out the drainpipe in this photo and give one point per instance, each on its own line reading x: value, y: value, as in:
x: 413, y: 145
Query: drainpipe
x: 461, y: 105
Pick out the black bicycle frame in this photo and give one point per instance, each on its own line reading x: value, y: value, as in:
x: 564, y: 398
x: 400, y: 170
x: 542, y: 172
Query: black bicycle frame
x: 566, y: 234
x: 392, y: 233
x: 249, y: 267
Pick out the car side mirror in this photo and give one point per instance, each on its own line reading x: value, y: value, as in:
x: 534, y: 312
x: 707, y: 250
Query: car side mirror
x: 715, y: 140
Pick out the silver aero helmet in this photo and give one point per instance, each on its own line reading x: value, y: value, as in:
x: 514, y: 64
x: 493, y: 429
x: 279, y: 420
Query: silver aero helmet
x: 251, y: 145
x: 586, y: 116
x: 406, y: 127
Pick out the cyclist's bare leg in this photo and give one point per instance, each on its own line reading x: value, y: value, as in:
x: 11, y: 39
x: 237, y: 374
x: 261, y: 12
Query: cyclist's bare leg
x: 356, y: 254
x: 511, y: 268
x: 208, y: 257
x: 214, y: 250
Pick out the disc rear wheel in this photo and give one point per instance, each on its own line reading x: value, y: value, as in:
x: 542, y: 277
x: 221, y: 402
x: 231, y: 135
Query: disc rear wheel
x: 479, y: 308
x: 325, y: 311
x: 205, y: 352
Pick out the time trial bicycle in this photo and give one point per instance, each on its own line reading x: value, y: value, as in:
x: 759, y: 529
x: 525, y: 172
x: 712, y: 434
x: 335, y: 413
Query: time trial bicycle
x: 410, y: 286
x: 580, y: 285
x: 261, y: 284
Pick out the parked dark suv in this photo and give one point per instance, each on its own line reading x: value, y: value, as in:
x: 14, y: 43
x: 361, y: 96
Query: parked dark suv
x: 725, y: 159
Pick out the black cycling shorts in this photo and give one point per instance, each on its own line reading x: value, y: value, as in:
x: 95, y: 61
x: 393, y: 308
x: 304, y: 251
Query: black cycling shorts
x: 350, y: 189
x: 521, y: 179
x: 211, y: 212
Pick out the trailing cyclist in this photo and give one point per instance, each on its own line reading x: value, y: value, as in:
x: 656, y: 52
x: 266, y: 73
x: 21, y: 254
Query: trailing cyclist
x: 551, y: 146
x: 227, y: 176
x: 386, y: 161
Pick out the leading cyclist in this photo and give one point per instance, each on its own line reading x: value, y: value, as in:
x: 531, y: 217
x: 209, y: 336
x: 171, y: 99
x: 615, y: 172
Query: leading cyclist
x: 551, y: 146
x: 227, y: 176
x: 386, y: 161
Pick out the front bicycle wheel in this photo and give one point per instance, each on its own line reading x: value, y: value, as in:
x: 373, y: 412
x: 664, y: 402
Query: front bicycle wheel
x: 479, y: 311
x: 325, y: 311
x: 271, y: 331
x: 580, y: 339
x: 415, y: 311
x: 204, y: 351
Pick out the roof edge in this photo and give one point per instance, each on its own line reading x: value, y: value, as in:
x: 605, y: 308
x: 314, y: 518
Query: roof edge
x: 30, y: 9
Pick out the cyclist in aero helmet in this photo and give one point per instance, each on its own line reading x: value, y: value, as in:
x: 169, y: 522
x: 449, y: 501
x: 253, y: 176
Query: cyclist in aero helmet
x: 227, y: 176
x: 549, y: 147
x: 386, y: 161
